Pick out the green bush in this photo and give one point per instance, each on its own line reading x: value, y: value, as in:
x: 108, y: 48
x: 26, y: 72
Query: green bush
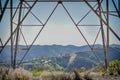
x: 82, y: 69
x: 103, y: 73
x: 37, y: 73
x: 114, y: 67
x: 110, y: 73
x: 99, y: 68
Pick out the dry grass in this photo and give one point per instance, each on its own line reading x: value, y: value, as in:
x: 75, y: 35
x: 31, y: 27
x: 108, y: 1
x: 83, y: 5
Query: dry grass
x: 9, y: 73
x: 57, y: 75
x: 21, y: 74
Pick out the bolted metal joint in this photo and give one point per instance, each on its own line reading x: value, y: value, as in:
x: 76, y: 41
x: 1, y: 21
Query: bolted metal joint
x: 59, y: 1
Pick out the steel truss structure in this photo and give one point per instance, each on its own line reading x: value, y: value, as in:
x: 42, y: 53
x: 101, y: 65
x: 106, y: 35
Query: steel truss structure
x: 27, y: 5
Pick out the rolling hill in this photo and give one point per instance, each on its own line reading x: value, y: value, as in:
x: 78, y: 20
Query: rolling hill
x: 63, y: 56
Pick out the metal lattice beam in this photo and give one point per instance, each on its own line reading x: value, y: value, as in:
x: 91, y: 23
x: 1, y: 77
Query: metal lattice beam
x: 3, y: 9
x: 1, y: 44
x: 60, y: 0
x: 103, y: 17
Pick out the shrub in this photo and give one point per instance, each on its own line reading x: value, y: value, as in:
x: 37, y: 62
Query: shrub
x: 103, y: 73
x: 36, y: 72
x: 82, y: 69
x: 114, y: 67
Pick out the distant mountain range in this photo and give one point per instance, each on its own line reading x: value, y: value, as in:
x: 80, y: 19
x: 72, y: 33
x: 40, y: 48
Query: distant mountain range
x: 65, y: 56
x: 58, y: 50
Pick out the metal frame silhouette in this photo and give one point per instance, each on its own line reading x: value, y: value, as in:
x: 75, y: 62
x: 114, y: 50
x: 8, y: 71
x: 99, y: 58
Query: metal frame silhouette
x: 14, y: 36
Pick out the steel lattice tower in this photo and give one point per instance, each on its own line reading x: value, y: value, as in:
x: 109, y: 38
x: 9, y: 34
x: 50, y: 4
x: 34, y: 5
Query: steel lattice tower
x: 27, y: 5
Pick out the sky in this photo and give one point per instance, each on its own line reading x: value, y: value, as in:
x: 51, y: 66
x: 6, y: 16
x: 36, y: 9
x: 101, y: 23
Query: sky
x: 59, y: 29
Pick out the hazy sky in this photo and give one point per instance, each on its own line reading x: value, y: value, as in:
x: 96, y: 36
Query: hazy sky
x: 60, y: 29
